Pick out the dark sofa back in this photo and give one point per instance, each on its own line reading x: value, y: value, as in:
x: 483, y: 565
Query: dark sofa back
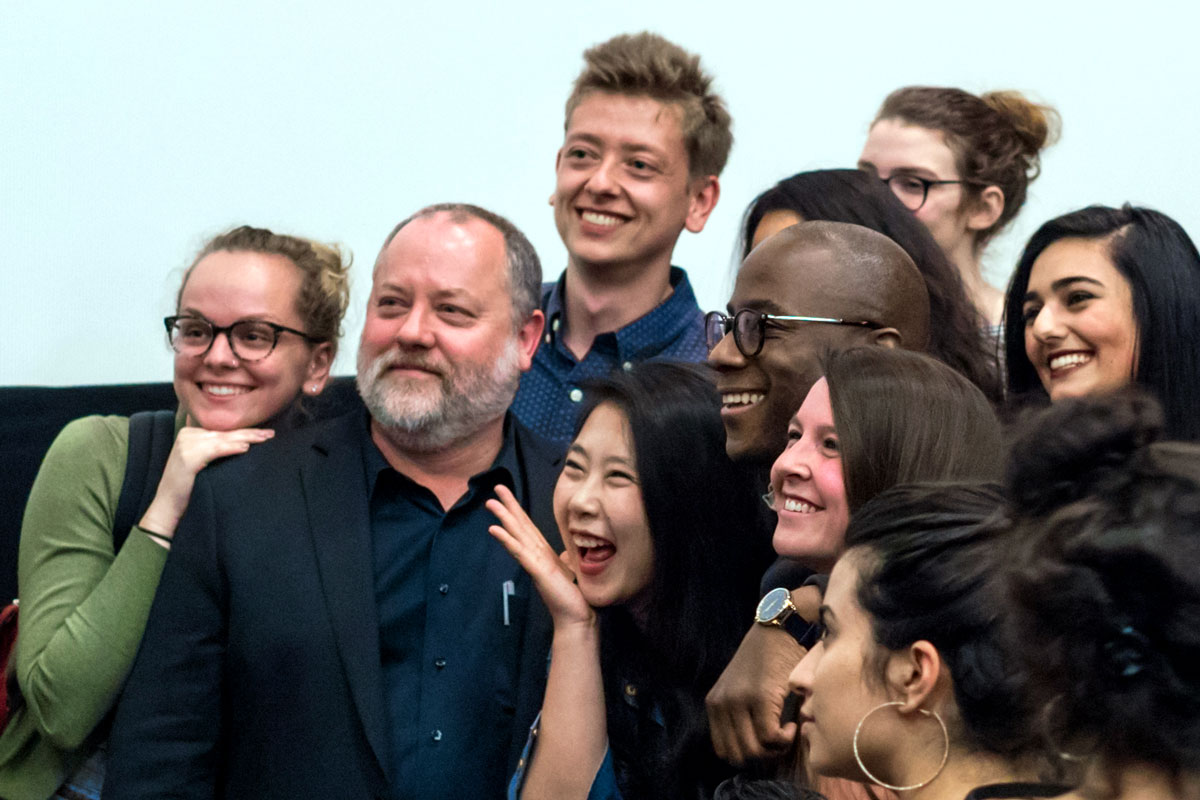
x: 31, y: 416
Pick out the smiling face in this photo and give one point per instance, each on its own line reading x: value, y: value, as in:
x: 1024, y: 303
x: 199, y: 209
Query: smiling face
x: 623, y: 191
x: 806, y: 479
x: 1080, y: 333
x: 760, y: 394
x: 600, y: 514
x: 838, y: 691
x: 438, y: 359
x: 894, y: 147
x: 220, y: 391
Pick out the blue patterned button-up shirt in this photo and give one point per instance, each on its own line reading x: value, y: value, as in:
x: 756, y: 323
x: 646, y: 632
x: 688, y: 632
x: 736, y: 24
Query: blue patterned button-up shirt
x: 549, y: 397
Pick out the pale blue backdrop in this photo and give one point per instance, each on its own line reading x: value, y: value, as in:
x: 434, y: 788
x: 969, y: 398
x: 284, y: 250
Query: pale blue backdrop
x: 130, y: 131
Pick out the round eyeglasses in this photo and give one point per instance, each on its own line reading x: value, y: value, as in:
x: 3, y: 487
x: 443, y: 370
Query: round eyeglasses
x: 749, y: 328
x: 913, y: 191
x: 249, y: 339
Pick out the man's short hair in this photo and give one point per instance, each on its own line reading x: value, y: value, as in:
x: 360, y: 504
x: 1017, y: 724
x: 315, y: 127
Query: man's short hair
x: 524, y: 267
x: 647, y: 64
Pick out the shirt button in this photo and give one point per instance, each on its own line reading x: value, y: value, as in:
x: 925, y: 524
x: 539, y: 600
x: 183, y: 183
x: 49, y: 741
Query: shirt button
x: 436, y: 735
x: 627, y: 366
x: 554, y: 324
x: 445, y: 587
x: 439, y: 662
x: 576, y: 395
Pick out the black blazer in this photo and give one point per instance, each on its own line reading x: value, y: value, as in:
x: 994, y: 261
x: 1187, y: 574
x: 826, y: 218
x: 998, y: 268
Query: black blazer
x: 259, y: 673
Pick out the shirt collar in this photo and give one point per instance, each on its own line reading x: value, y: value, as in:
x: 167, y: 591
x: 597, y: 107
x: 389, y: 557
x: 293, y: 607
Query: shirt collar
x: 650, y: 333
x: 505, y: 467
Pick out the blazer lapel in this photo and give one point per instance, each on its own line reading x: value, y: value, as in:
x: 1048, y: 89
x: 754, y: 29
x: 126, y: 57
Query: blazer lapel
x: 335, y: 492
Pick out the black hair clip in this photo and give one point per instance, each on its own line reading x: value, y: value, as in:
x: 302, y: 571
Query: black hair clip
x: 1127, y: 652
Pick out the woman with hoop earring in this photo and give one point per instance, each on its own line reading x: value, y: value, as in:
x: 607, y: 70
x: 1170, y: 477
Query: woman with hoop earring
x: 911, y: 686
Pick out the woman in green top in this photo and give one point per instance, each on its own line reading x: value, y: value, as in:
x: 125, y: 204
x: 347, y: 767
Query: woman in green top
x: 255, y: 328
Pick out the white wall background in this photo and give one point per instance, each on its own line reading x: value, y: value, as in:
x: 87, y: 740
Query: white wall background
x: 132, y: 130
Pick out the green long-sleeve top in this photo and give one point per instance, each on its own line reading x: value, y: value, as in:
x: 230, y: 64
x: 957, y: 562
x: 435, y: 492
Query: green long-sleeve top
x: 83, y: 610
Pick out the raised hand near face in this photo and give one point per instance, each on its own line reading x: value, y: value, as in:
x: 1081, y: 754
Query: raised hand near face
x: 555, y: 582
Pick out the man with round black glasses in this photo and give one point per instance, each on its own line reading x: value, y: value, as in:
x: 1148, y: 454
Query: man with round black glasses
x: 810, y: 289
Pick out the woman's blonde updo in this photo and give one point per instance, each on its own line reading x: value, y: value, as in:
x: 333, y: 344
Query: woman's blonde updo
x: 325, y: 291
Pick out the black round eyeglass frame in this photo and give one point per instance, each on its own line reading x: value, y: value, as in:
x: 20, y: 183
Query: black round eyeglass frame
x: 214, y: 331
x: 925, y: 183
x: 752, y: 324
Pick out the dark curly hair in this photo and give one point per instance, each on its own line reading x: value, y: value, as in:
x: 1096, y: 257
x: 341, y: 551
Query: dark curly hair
x: 1106, y: 587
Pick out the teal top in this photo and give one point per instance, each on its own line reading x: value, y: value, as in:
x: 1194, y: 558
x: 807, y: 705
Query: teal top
x: 83, y: 610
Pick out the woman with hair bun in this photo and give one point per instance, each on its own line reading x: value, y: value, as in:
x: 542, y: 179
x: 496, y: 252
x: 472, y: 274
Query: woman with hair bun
x: 1104, y: 297
x: 912, y: 685
x: 255, y: 329
x: 1107, y: 594
x: 962, y: 164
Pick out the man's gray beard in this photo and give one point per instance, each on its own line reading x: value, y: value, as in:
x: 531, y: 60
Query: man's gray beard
x: 438, y: 415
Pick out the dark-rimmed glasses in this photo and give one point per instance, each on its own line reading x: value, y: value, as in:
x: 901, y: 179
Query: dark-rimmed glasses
x: 249, y: 339
x: 749, y: 328
x: 913, y: 191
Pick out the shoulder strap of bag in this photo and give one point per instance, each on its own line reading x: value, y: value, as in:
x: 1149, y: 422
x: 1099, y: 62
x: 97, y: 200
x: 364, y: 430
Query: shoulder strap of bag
x: 151, y: 436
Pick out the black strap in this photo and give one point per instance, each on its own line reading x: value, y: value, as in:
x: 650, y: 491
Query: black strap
x: 804, y: 632
x: 151, y: 436
x: 1017, y: 789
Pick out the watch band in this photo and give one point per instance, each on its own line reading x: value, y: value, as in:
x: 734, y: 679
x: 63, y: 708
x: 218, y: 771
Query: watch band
x: 804, y: 632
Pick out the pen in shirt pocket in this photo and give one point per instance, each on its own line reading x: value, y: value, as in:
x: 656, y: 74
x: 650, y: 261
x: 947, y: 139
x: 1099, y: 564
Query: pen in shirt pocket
x: 507, y: 590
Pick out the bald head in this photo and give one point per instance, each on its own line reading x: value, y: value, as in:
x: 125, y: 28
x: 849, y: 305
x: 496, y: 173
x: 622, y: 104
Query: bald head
x: 851, y: 272
x: 826, y: 270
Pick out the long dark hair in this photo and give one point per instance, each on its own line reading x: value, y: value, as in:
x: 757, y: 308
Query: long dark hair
x: 1106, y: 590
x: 1160, y: 262
x: 929, y: 556
x: 707, y: 563
x: 903, y: 417
x: 850, y: 195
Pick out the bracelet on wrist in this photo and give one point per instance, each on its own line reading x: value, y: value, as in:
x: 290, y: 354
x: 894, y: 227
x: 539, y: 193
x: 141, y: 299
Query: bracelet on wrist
x: 162, y: 538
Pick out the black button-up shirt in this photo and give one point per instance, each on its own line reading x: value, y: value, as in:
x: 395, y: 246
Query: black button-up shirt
x: 449, y: 630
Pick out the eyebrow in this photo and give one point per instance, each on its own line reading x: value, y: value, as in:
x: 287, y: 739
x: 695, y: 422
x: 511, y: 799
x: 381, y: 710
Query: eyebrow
x: 1061, y: 282
x: 823, y: 615
x: 626, y: 147
x: 195, y: 313
x: 761, y: 306
x: 453, y: 293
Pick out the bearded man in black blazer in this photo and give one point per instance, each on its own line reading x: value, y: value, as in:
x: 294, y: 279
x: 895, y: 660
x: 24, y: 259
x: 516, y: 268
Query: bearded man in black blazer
x: 334, y: 619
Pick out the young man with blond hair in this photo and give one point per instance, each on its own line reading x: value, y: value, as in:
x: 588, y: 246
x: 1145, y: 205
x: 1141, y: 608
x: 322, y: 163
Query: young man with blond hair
x: 646, y: 140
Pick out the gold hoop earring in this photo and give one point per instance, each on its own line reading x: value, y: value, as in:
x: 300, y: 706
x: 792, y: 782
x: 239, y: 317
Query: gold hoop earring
x: 863, y: 767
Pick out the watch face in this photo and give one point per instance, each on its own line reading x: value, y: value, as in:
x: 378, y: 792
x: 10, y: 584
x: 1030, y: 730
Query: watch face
x: 771, y: 604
